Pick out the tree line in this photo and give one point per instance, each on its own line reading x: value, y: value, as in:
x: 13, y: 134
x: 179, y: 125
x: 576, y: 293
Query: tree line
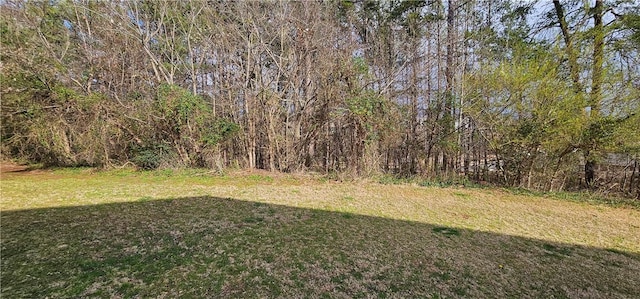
x: 542, y: 95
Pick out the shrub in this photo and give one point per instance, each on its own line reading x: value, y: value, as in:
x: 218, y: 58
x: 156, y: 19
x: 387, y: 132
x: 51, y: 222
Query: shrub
x: 152, y: 156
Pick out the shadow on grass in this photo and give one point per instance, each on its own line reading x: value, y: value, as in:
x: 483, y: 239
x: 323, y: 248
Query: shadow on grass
x: 214, y: 247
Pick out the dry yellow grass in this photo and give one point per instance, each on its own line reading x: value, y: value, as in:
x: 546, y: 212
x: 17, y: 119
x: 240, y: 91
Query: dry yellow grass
x: 169, y: 234
x: 479, y: 209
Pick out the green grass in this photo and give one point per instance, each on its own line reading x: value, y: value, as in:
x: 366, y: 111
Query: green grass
x: 82, y: 233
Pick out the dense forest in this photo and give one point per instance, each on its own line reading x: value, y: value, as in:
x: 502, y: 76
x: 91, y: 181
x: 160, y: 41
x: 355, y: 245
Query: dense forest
x: 542, y: 95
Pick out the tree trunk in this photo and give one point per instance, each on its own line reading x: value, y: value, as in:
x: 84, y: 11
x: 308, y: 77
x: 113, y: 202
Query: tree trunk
x: 589, y: 171
x: 571, y: 54
x: 449, y: 73
x: 598, y: 56
x: 598, y: 53
x: 596, y: 83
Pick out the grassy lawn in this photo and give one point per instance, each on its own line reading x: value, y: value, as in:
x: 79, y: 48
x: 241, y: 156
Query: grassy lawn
x: 122, y: 234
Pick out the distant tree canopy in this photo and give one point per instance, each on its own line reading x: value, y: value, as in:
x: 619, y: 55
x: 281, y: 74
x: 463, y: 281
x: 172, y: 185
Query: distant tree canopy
x: 536, y: 94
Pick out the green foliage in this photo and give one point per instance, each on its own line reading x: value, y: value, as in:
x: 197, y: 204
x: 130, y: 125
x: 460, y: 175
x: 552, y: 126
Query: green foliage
x: 347, y: 4
x: 152, y: 156
x: 388, y: 179
x: 22, y: 93
x: 372, y: 113
x: 220, y: 130
x: 190, y: 114
x: 366, y: 105
x: 631, y: 21
x: 529, y: 110
x: 186, y: 122
x: 181, y: 106
x: 601, y: 130
x: 51, y: 25
x: 626, y: 137
x: 446, y: 182
x: 360, y: 66
x: 65, y: 94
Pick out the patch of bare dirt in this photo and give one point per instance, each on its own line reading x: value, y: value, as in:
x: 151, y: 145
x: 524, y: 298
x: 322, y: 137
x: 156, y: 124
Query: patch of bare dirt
x: 7, y: 166
x: 13, y: 167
